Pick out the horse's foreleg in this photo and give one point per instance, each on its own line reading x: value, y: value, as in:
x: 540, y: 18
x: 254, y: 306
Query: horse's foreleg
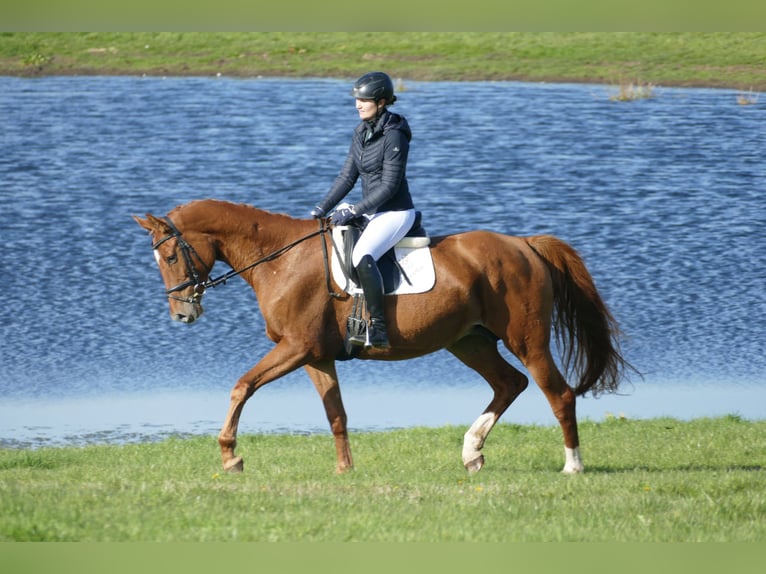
x: 325, y: 380
x: 562, y: 400
x: 281, y: 360
x: 481, y: 354
x: 227, y: 439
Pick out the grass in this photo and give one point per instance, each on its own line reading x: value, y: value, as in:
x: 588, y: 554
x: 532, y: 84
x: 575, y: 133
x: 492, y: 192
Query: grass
x: 645, y: 481
x: 725, y: 59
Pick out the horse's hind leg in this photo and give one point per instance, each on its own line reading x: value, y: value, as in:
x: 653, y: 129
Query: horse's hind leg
x: 481, y: 354
x: 561, y: 397
x: 325, y: 380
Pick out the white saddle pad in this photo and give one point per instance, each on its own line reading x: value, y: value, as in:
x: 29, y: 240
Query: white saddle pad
x: 412, y: 253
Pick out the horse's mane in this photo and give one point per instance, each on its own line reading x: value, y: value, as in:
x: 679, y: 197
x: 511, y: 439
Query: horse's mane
x: 222, y: 210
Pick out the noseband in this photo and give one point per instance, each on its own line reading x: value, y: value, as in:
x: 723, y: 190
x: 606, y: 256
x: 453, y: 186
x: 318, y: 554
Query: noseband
x: 189, y: 255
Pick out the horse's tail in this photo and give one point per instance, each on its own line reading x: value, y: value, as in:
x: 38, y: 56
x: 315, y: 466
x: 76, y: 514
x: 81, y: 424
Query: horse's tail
x: 586, y: 331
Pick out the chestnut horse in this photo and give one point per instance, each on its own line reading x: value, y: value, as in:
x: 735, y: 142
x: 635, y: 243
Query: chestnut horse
x: 489, y: 287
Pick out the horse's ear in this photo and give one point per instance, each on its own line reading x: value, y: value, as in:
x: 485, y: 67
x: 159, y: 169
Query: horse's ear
x: 143, y: 223
x: 151, y: 223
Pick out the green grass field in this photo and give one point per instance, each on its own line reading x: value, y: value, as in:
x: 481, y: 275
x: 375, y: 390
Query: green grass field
x: 659, y: 480
x: 725, y: 59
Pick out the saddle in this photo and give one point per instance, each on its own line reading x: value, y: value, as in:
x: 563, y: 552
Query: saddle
x: 406, y: 268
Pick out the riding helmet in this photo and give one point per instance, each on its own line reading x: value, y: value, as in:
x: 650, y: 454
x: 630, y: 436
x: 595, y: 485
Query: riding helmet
x: 374, y: 86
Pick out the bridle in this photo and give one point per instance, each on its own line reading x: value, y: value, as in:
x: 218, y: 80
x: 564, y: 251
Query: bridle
x: 189, y: 254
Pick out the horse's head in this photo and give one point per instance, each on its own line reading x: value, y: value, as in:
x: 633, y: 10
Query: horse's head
x: 185, y: 263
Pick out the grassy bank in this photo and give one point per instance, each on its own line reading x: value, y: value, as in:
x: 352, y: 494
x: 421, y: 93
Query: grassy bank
x: 645, y: 481
x: 733, y: 60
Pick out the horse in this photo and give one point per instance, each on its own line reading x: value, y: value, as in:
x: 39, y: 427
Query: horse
x: 489, y: 288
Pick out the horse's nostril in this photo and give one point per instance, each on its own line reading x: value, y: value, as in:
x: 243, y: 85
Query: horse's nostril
x: 184, y: 318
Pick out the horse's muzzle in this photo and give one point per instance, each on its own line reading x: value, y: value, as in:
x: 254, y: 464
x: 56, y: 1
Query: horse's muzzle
x: 186, y: 312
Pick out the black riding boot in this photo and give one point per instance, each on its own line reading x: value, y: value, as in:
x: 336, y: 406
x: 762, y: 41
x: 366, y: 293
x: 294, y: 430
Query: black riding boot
x: 372, y: 285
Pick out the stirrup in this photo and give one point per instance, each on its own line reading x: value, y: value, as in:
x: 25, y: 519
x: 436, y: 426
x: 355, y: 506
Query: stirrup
x: 357, y: 339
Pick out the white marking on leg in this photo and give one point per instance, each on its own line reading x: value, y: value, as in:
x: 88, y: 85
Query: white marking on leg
x: 573, y: 464
x: 475, y: 436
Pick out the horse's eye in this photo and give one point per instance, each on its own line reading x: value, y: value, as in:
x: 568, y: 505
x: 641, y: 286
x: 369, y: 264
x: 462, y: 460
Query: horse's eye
x: 172, y: 259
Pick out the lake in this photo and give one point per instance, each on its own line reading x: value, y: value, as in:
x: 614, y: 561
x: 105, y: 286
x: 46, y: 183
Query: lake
x: 663, y: 197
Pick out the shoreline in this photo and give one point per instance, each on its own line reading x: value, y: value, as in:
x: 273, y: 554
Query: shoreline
x: 718, y: 60
x: 294, y: 409
x: 626, y: 91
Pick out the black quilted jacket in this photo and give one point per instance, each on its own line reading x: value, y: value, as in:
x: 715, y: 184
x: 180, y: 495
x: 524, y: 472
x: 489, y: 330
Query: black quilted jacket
x: 380, y: 159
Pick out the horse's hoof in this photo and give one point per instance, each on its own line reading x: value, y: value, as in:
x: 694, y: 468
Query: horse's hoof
x: 235, y: 464
x: 475, y: 465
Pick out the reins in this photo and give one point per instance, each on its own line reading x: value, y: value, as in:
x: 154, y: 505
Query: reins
x: 199, y: 288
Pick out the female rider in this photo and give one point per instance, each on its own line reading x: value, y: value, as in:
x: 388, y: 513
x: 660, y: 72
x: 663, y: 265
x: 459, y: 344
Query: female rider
x: 378, y: 154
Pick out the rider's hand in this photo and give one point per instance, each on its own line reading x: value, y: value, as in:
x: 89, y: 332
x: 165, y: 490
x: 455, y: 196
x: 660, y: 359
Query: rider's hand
x: 318, y: 212
x: 343, y: 216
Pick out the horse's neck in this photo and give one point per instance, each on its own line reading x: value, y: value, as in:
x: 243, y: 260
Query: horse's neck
x: 250, y: 235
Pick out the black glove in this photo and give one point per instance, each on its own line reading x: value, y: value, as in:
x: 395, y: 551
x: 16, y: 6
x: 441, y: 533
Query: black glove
x: 343, y: 216
x: 318, y: 212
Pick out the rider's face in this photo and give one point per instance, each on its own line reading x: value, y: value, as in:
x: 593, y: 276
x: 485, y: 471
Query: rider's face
x: 368, y: 109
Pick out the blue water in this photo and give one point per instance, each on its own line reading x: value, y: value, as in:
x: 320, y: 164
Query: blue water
x: 663, y: 197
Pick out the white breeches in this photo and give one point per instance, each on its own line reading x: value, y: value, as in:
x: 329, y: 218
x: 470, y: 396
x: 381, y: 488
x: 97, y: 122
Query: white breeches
x: 383, y: 231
